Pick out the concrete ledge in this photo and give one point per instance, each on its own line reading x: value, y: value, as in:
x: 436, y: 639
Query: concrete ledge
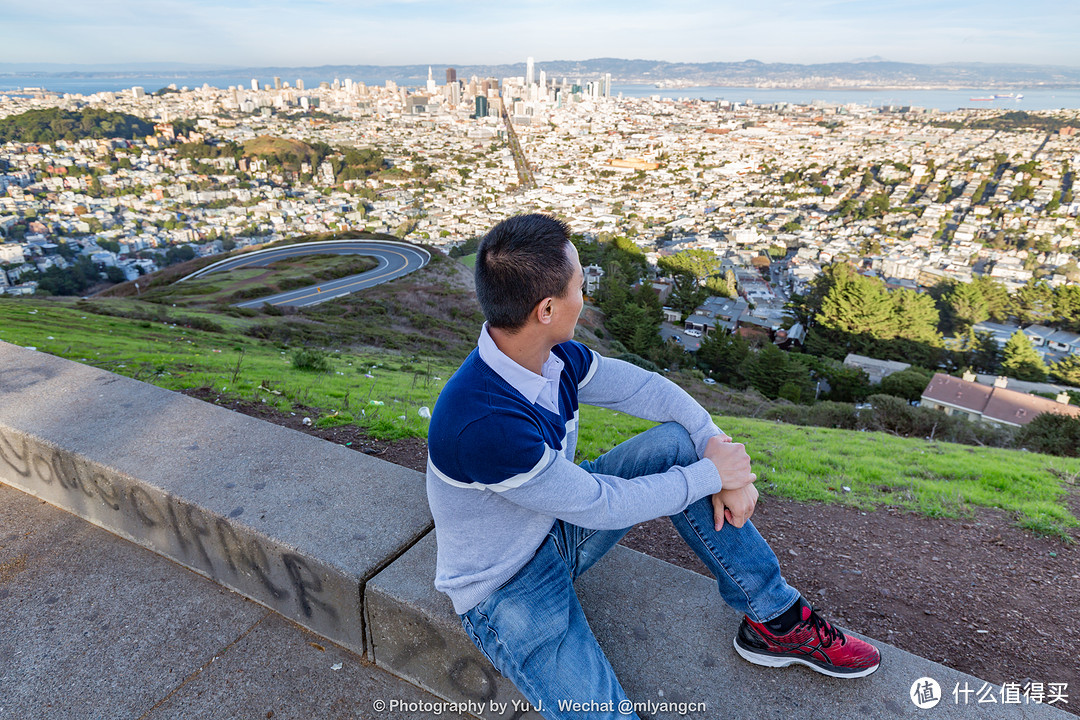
x: 668, y: 636
x: 291, y: 521
x: 415, y: 634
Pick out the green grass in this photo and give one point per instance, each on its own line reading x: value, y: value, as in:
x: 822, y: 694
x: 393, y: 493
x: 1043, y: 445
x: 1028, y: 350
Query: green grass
x: 933, y: 479
x: 383, y: 391
x: 468, y: 260
x: 232, y: 286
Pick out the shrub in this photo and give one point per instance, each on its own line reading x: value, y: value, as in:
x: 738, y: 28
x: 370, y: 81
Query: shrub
x: 962, y: 430
x: 286, y: 284
x: 791, y: 414
x: 833, y: 415
x: 894, y: 415
x: 310, y: 359
x: 1052, y: 434
x: 907, y: 384
x: 201, y: 323
x: 252, y: 291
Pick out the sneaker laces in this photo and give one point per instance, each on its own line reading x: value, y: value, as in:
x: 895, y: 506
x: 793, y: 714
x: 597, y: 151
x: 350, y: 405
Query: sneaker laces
x: 824, y: 629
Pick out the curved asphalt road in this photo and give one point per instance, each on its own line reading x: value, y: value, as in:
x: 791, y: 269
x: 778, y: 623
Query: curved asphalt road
x: 395, y: 260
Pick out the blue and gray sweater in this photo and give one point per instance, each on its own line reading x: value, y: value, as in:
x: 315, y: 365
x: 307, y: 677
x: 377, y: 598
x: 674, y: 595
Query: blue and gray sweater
x: 500, y: 468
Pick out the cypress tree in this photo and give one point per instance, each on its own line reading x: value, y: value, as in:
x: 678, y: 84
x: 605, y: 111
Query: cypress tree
x: 858, y: 305
x: 1067, y: 370
x: 967, y: 305
x: 1021, y: 361
x: 915, y: 317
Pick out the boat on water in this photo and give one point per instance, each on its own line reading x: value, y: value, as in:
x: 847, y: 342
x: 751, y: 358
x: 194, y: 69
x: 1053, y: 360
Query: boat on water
x: 1007, y: 96
x: 989, y: 99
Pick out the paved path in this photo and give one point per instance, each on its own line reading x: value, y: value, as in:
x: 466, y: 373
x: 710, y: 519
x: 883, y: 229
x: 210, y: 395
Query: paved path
x: 395, y: 260
x: 93, y: 627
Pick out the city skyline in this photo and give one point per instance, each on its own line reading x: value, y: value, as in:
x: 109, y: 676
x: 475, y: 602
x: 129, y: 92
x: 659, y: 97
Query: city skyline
x: 388, y: 32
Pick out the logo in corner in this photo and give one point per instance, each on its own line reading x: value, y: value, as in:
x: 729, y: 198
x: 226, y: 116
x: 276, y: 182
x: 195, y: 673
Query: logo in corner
x: 925, y: 693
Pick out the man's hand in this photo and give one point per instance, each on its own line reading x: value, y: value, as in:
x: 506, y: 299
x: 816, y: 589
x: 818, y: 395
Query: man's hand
x: 731, y: 462
x: 735, y: 506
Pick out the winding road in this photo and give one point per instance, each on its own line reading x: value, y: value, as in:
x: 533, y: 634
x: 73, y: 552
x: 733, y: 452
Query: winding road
x: 395, y: 260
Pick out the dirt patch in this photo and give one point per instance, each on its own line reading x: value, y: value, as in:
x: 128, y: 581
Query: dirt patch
x: 410, y: 452
x: 11, y: 568
x: 981, y: 596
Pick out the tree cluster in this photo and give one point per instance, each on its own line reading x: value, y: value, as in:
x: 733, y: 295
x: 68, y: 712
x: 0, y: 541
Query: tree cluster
x: 851, y: 313
x: 51, y: 124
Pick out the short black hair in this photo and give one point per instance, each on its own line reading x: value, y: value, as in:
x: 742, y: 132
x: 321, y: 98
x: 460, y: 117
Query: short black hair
x: 521, y: 261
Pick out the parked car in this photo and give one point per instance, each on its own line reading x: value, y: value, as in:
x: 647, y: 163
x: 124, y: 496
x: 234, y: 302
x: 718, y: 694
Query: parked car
x: 692, y: 333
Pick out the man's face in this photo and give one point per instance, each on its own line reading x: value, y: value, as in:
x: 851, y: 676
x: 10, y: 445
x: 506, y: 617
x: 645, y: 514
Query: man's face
x: 567, y: 309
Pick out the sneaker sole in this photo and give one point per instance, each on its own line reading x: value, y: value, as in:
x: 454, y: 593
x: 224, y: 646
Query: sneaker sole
x: 770, y: 660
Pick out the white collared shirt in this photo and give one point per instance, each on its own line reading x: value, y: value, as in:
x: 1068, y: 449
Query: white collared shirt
x: 542, y: 390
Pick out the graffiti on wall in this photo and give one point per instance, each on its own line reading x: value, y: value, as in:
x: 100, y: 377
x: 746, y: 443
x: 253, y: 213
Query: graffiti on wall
x: 206, y: 541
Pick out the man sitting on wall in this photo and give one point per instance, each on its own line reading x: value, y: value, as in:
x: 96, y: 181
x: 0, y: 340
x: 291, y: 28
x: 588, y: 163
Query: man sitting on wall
x: 517, y: 520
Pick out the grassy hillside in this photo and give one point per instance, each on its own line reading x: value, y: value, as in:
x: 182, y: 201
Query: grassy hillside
x: 868, y: 470
x: 376, y: 387
x: 388, y: 352
x: 289, y: 152
x: 233, y: 286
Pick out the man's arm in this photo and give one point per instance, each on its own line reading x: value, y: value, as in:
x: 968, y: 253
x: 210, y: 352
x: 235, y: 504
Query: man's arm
x: 602, y: 502
x: 625, y: 387
x: 619, y: 385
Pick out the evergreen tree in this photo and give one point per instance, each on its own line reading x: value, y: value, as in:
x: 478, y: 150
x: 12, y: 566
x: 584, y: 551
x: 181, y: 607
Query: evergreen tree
x: 723, y: 353
x: 765, y: 370
x: 719, y: 287
x: 915, y: 317
x: 857, y: 305
x: 732, y: 282
x: 1036, y: 302
x: 699, y: 263
x: 999, y: 304
x: 1067, y: 307
x: 629, y: 256
x: 981, y: 352
x: 1021, y: 361
x: 1067, y: 370
x: 967, y: 306
x: 773, y: 373
x: 614, y: 291
x: 686, y: 294
x: 636, y: 327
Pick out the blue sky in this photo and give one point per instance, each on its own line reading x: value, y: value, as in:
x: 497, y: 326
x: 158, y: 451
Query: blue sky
x: 391, y: 32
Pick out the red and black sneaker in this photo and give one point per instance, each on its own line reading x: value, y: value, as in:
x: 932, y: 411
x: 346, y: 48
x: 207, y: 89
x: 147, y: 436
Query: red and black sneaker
x: 811, y: 642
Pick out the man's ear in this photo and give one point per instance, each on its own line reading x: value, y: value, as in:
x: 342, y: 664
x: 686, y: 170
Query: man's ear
x: 544, y: 310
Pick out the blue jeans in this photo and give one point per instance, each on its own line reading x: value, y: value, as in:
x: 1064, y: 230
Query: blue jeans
x: 532, y: 628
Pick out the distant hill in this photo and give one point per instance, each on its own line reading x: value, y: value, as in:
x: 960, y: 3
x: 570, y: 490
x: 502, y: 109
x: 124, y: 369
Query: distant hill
x: 52, y: 124
x: 284, y: 151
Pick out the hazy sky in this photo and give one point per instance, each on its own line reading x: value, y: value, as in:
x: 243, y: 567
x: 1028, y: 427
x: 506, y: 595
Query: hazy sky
x: 393, y: 32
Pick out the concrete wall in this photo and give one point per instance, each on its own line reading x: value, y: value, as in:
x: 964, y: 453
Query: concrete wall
x: 293, y: 522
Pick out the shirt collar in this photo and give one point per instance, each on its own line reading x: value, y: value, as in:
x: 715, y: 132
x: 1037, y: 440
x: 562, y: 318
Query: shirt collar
x: 525, y: 381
